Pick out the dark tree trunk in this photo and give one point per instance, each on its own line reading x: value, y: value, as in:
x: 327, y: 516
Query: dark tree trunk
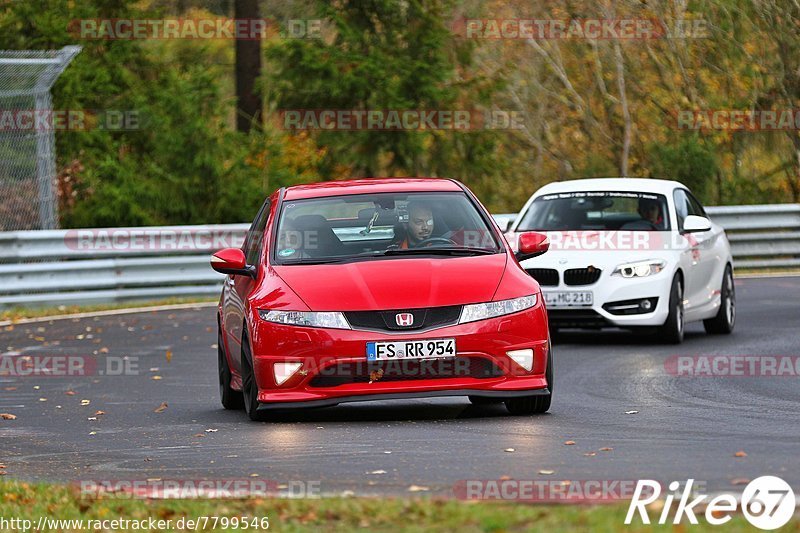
x: 248, y: 68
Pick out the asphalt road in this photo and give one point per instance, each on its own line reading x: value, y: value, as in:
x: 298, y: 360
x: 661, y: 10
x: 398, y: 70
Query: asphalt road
x: 684, y: 428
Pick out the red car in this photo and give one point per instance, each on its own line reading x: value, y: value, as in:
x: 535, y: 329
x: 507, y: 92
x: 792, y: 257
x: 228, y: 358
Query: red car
x: 380, y: 289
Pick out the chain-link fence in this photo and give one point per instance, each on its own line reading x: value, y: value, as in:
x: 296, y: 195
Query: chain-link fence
x: 28, y: 189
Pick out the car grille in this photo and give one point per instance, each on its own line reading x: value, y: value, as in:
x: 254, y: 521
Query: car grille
x: 433, y: 317
x: 547, y: 277
x: 406, y: 370
x: 576, y: 318
x: 581, y: 276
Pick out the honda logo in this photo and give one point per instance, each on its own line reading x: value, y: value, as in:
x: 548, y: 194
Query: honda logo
x: 404, y: 319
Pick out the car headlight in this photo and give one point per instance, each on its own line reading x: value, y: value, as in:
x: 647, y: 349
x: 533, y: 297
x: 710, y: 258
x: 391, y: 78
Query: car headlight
x: 640, y: 269
x: 324, y: 319
x: 474, y: 312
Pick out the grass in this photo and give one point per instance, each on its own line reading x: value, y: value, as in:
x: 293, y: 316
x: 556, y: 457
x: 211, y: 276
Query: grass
x: 30, y: 501
x: 20, y: 313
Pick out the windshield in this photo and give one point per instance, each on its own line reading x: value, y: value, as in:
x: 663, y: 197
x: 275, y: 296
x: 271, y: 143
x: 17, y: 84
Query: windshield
x: 340, y: 228
x: 599, y: 211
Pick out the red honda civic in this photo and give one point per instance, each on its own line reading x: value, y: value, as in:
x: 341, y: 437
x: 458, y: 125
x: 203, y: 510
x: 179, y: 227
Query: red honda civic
x: 380, y: 289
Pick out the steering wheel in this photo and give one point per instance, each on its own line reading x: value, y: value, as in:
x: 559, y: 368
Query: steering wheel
x: 436, y: 240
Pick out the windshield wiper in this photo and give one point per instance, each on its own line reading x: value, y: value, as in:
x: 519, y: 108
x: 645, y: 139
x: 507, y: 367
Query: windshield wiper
x: 321, y: 261
x: 439, y: 251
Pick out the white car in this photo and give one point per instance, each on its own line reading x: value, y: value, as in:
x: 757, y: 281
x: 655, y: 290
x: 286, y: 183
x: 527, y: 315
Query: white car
x: 627, y: 253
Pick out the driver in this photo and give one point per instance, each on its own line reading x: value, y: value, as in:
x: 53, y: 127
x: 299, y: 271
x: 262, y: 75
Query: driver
x: 650, y: 211
x: 419, y: 226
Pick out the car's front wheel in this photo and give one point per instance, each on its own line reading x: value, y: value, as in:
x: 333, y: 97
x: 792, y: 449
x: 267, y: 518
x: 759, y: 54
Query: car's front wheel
x: 726, y: 316
x: 231, y: 399
x: 672, y: 330
x: 538, y: 404
x: 249, y: 385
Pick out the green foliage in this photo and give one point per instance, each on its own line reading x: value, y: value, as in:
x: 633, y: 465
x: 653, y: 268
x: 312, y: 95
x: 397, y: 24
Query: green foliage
x: 687, y: 160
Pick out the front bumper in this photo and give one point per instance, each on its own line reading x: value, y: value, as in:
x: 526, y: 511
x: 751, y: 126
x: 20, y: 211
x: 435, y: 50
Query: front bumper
x: 611, y: 296
x: 481, y: 366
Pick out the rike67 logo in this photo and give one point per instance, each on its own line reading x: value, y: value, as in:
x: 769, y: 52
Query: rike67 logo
x: 767, y: 502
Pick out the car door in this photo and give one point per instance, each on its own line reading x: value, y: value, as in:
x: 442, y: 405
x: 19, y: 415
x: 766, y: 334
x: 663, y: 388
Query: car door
x: 237, y: 288
x: 699, y: 260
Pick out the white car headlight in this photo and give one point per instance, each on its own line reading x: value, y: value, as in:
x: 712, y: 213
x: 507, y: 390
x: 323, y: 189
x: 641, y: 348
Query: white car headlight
x: 324, y: 319
x: 474, y: 312
x: 640, y: 269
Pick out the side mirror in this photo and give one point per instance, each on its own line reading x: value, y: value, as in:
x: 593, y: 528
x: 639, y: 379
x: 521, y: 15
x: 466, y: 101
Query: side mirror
x: 531, y: 244
x: 232, y: 261
x: 696, y: 224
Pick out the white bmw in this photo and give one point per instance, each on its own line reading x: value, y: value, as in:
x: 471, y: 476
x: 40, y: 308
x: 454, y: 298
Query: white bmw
x: 629, y: 252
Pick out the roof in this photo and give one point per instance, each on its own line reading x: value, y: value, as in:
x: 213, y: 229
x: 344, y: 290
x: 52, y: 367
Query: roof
x: 370, y: 186
x: 650, y: 185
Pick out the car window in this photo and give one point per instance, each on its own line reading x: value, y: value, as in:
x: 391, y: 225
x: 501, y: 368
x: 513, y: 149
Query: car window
x: 380, y: 225
x: 255, y: 235
x: 682, y: 207
x: 695, y: 208
x: 597, y: 210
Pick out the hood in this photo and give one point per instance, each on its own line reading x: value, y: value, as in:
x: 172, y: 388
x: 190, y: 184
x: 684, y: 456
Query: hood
x: 399, y: 283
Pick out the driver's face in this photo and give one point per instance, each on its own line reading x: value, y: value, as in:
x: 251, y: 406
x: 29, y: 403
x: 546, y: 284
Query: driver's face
x: 420, y: 224
x: 650, y: 213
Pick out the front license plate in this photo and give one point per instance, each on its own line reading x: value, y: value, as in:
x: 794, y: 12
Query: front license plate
x: 568, y: 298
x: 425, y: 349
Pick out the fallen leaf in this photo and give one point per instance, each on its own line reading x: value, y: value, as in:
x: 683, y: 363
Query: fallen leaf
x: 99, y: 413
x: 209, y: 430
x: 417, y: 488
x: 378, y: 472
x: 169, y: 356
x: 606, y: 449
x: 42, y: 399
x: 161, y: 408
x: 70, y: 393
x: 510, y: 450
x: 3, y: 472
x: 505, y: 478
x: 590, y: 454
x: 92, y: 418
x: 740, y: 453
x: 8, y: 416
x: 10, y: 388
x: 631, y: 412
x: 154, y: 369
x: 199, y: 435
x: 103, y: 350
x: 92, y: 433
x: 569, y: 443
x: 86, y: 402
x: 547, y: 472
x: 156, y: 378
x: 740, y: 481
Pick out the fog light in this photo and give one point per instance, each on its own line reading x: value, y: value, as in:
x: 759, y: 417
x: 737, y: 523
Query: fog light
x: 284, y: 371
x: 646, y: 305
x: 523, y: 358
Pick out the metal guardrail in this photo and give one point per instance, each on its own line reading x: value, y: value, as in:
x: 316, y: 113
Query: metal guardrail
x: 64, y: 267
